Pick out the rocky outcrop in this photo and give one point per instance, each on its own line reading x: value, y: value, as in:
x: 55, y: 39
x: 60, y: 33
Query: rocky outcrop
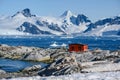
x: 63, y: 66
x: 105, y: 55
x: 39, y: 54
x: 2, y: 72
x: 61, y: 61
x: 32, y: 69
x: 24, y: 53
x: 97, y: 55
x: 30, y: 53
x: 13, y: 52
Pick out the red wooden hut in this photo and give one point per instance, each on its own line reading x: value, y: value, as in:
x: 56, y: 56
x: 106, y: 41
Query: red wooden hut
x: 77, y: 47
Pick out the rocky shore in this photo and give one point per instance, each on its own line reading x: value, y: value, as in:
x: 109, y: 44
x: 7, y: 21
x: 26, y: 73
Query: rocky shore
x: 60, y: 61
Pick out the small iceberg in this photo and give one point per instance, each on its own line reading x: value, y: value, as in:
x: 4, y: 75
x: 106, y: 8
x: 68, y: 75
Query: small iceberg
x: 54, y: 45
x: 63, y: 45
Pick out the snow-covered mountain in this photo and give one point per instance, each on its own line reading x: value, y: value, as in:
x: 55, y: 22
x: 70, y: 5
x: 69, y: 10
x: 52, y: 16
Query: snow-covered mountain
x: 108, y: 26
x: 24, y: 22
x: 26, y: 12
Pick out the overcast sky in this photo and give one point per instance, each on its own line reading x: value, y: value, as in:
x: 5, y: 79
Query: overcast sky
x: 94, y: 9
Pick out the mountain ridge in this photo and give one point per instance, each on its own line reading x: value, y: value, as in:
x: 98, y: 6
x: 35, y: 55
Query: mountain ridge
x: 68, y: 23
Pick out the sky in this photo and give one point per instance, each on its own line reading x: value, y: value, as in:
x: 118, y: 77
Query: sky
x: 93, y: 9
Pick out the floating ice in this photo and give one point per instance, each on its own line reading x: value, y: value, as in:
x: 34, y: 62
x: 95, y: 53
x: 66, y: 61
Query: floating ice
x: 54, y: 45
x: 63, y: 45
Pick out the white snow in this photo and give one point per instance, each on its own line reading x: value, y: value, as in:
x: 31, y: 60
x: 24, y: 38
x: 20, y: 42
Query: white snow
x: 51, y: 20
x: 19, y: 16
x: 83, y: 27
x: 8, y: 25
x: 103, y: 67
x: 67, y: 14
x: 64, y: 45
x: 103, y: 30
x: 78, y: 76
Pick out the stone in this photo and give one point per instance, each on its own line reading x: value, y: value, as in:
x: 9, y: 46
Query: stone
x: 32, y: 68
x: 36, y: 57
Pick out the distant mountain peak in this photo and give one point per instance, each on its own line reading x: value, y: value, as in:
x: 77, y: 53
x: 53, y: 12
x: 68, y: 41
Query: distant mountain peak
x: 82, y: 15
x: 82, y: 18
x: 67, y: 13
x: 26, y: 12
x: 68, y: 23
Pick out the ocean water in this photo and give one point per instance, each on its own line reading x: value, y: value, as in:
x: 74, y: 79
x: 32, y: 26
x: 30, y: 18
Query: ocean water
x: 16, y: 65
x: 105, y: 43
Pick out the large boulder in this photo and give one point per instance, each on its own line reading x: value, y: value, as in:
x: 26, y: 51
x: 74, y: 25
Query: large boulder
x: 41, y: 55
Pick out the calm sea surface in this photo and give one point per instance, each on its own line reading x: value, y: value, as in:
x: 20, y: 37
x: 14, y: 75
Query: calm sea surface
x: 16, y: 65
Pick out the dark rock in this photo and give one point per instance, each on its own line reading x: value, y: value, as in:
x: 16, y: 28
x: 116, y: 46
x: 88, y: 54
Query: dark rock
x: 108, y: 21
x: 117, y: 60
x: 31, y: 28
x: 32, y: 69
x: 52, y: 26
x: 55, y: 27
x: 26, y: 12
x: 79, y: 19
